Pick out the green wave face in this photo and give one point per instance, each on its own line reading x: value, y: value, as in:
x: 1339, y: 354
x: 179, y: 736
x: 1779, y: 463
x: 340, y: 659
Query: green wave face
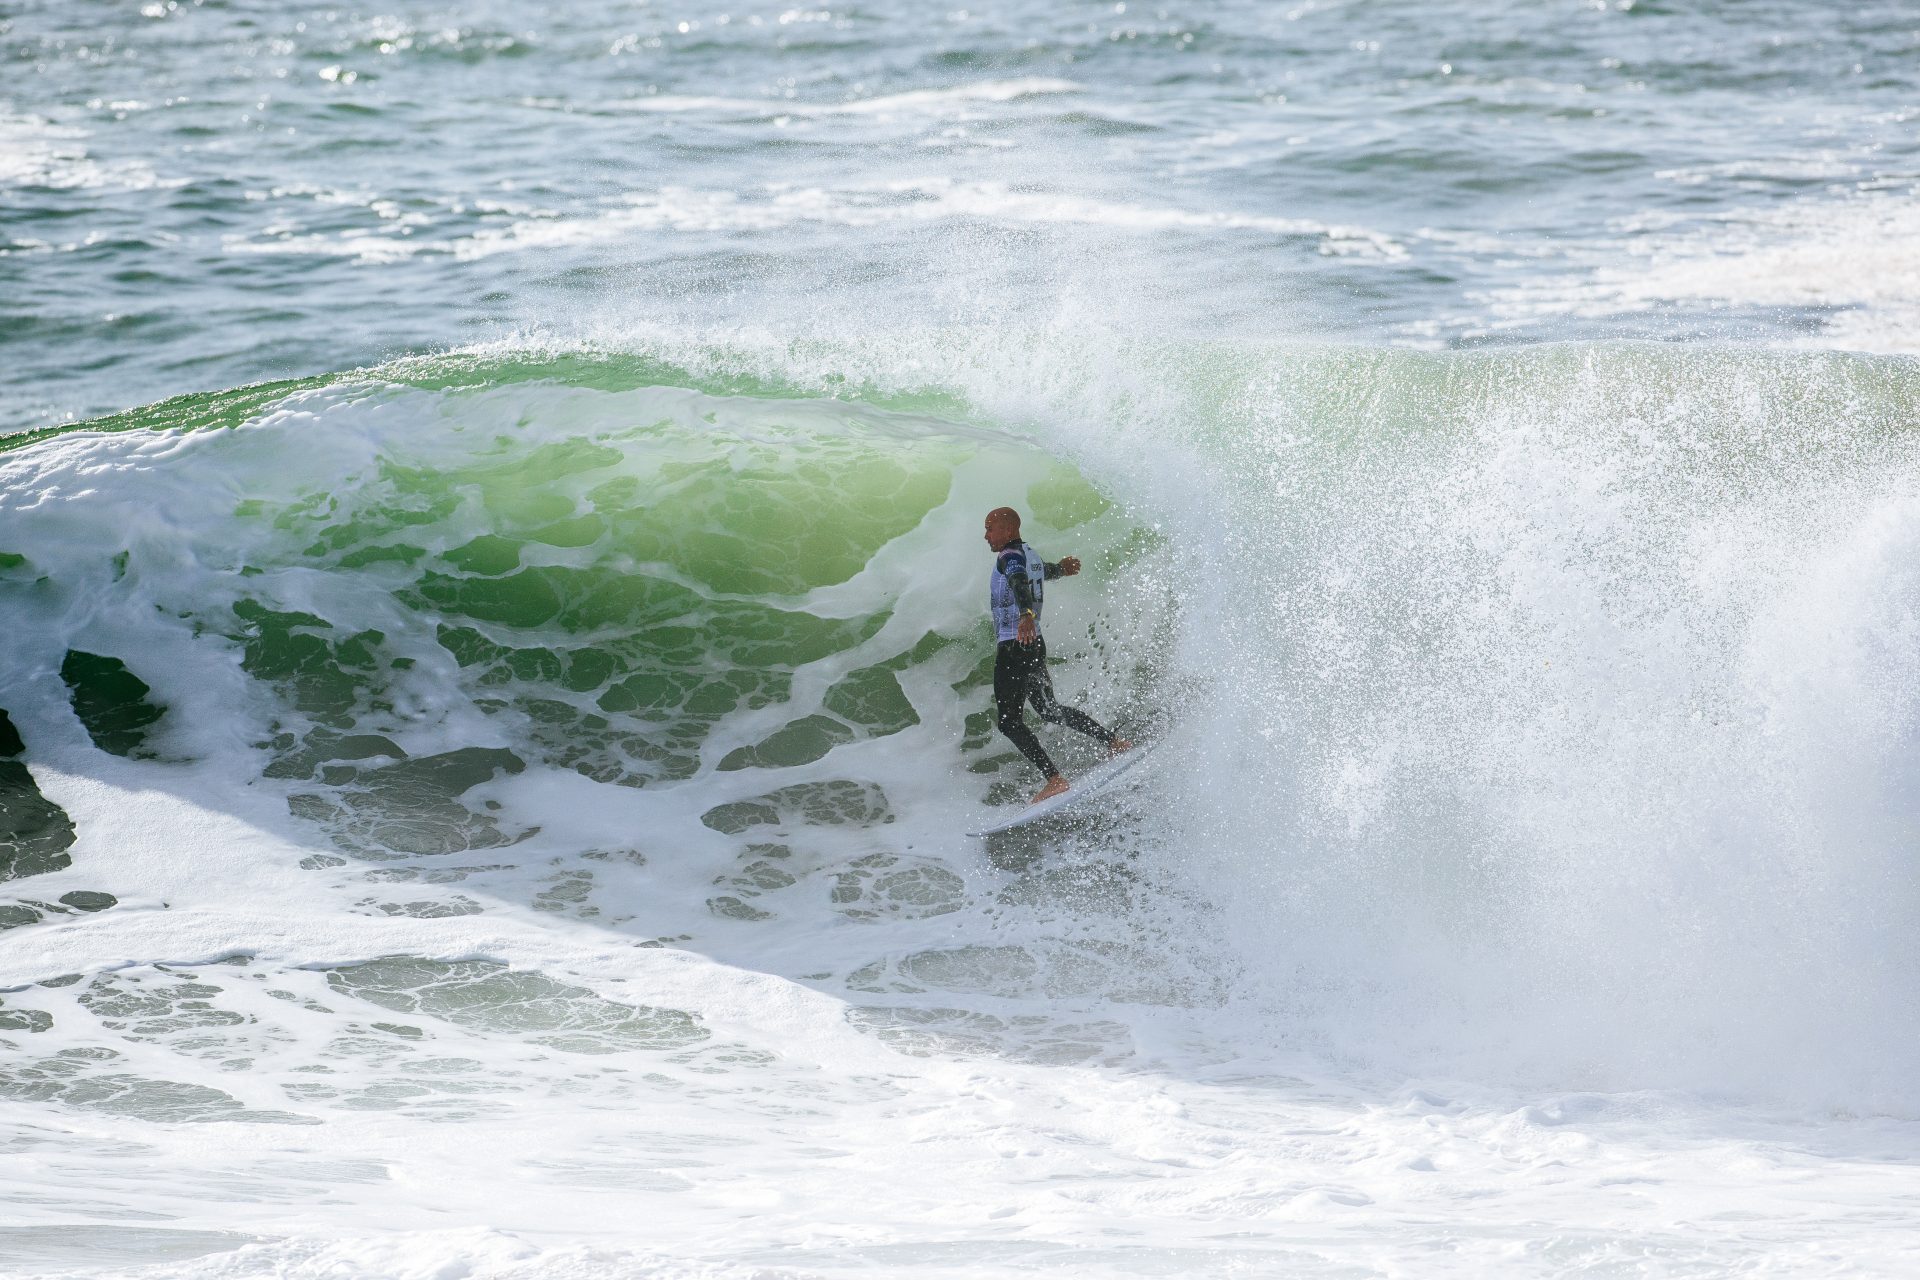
x: 623, y: 590
x: 434, y: 588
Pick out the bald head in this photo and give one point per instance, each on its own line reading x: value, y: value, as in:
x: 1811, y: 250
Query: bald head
x: 1003, y: 526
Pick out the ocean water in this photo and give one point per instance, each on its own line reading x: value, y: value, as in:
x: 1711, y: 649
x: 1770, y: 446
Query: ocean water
x: 494, y: 665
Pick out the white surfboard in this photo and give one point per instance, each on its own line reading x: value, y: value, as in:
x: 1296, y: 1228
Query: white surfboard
x: 1101, y: 777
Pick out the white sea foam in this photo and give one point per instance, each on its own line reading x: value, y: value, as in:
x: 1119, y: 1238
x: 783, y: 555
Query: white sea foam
x: 1851, y: 259
x: 951, y: 101
x: 37, y: 152
x: 778, y: 208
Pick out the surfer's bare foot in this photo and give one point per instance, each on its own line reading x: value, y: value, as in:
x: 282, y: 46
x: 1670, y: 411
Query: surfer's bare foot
x: 1120, y: 744
x: 1056, y: 785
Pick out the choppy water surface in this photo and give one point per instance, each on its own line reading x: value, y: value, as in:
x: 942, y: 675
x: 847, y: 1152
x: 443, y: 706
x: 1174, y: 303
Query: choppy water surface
x: 494, y: 664
x: 203, y: 195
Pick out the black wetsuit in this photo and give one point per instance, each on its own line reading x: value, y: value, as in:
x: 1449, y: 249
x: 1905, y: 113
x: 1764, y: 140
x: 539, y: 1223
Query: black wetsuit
x: 1020, y: 670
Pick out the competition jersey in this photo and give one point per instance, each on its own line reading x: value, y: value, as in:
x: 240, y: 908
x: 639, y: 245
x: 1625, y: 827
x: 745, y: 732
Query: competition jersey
x: 1018, y: 584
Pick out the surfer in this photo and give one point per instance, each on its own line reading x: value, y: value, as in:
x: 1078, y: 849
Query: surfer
x: 1015, y: 593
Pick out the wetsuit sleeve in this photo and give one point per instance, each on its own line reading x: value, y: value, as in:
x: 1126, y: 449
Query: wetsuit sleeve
x: 1050, y: 570
x: 1013, y: 565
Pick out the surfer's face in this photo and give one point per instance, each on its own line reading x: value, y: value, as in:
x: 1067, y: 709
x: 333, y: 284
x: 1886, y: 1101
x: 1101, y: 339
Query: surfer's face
x: 1000, y: 530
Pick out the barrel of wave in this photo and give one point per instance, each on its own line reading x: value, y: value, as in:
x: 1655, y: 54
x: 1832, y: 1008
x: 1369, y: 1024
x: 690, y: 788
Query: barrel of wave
x: 651, y: 586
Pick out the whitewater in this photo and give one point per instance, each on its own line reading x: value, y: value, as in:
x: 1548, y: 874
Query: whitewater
x: 496, y: 663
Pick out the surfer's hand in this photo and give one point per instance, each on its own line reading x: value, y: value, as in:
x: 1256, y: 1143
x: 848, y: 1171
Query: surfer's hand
x: 1069, y: 566
x: 1026, y: 632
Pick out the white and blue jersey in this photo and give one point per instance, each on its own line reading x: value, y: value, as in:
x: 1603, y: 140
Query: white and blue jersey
x: 1017, y: 586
